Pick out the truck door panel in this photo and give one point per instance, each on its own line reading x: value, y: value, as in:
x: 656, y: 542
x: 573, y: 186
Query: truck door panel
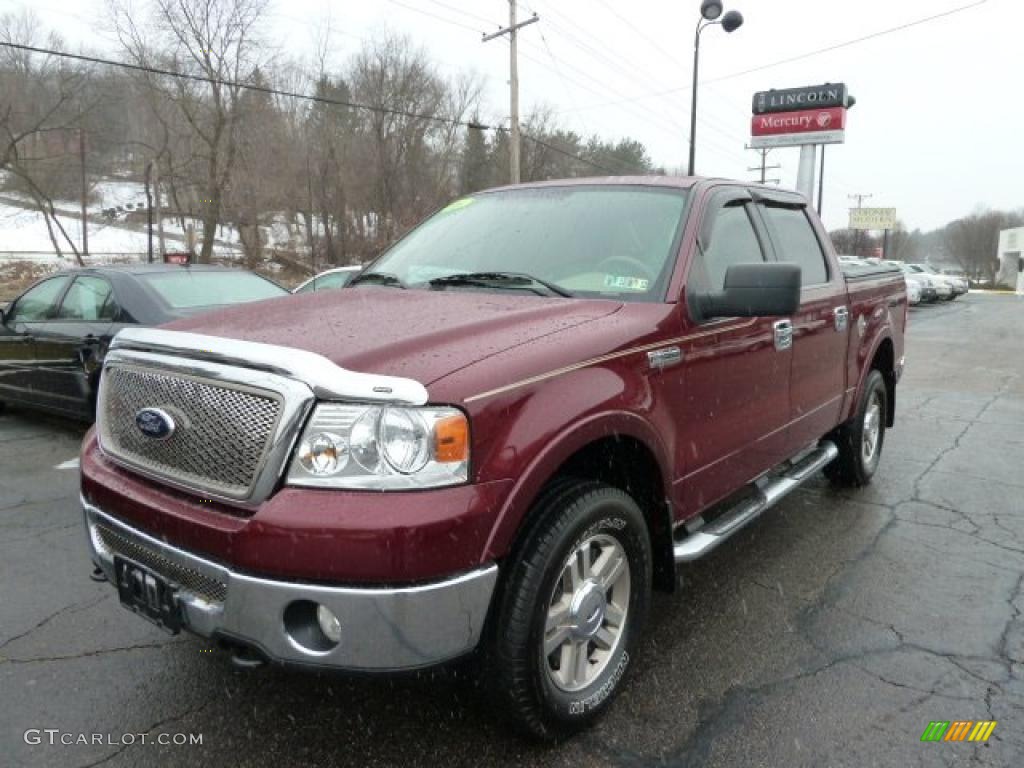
x: 736, y: 404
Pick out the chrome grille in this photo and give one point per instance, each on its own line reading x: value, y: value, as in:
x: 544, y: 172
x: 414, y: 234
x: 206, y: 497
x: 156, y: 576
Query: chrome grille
x: 209, y: 589
x: 222, y: 430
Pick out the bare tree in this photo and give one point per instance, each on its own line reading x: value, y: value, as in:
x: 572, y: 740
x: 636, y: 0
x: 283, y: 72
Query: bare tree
x: 212, y: 39
x: 37, y: 119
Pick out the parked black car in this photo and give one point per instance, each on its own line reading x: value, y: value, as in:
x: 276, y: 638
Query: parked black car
x: 54, y: 336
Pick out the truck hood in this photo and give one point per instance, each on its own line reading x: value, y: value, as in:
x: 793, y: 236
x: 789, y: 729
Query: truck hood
x: 418, y: 334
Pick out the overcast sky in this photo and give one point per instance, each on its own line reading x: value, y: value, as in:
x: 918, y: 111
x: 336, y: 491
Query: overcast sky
x: 936, y: 133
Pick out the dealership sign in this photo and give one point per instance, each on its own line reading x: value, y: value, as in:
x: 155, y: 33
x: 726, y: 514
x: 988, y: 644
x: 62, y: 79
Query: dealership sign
x: 795, y: 99
x: 791, y: 129
x: 872, y: 218
x: 795, y: 117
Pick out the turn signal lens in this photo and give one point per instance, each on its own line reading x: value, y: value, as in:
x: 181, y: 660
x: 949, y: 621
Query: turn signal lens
x: 451, y: 439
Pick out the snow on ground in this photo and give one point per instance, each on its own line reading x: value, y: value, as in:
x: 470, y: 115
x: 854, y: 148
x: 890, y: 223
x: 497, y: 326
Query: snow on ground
x: 24, y: 231
x: 111, y: 193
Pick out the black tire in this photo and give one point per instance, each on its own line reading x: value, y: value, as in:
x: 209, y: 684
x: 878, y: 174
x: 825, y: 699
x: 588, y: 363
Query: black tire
x: 568, y: 517
x: 856, y: 465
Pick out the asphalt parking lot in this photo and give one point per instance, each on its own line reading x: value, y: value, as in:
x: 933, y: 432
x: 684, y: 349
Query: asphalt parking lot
x: 829, y: 633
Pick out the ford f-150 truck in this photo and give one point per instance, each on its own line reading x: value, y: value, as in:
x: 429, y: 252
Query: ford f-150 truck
x: 498, y: 439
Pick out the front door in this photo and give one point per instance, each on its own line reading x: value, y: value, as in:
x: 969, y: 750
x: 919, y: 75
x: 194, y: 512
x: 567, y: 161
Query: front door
x: 19, y: 373
x: 736, y: 394
x: 68, y: 345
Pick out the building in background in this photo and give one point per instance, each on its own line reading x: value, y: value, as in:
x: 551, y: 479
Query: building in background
x: 1011, y: 259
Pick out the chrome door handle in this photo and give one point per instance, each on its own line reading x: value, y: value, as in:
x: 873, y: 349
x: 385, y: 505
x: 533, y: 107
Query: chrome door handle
x: 783, y: 334
x: 841, y: 318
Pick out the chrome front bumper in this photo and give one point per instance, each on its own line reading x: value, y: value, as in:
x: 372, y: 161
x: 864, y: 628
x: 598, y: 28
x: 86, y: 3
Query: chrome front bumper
x: 382, y: 629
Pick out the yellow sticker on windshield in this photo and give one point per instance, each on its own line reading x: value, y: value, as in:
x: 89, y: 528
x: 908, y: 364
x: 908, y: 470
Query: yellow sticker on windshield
x: 625, y: 283
x: 458, y: 205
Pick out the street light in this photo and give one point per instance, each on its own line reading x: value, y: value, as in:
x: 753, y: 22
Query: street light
x: 710, y: 13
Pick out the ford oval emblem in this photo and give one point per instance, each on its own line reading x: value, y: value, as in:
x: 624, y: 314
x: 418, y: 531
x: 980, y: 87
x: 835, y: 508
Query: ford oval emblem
x: 155, y: 423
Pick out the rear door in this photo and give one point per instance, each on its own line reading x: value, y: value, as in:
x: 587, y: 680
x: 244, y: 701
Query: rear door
x: 820, y: 327
x: 19, y: 373
x: 736, y: 403
x: 68, y: 347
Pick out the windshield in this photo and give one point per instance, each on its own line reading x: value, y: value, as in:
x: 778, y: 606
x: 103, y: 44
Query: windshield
x: 188, y: 290
x: 589, y: 241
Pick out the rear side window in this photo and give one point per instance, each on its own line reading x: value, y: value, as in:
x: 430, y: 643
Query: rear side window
x: 796, y: 243
x: 733, y: 241
x: 89, y: 299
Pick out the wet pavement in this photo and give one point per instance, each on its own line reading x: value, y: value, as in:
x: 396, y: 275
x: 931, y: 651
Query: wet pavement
x: 829, y: 633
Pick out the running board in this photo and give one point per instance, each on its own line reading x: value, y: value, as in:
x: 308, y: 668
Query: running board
x: 768, y: 491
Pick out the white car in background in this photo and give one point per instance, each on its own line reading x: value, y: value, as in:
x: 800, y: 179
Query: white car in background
x: 913, y: 292
x: 338, y: 277
x: 918, y: 283
x: 947, y: 286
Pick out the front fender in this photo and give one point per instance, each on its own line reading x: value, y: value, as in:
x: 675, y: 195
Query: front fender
x: 545, y: 427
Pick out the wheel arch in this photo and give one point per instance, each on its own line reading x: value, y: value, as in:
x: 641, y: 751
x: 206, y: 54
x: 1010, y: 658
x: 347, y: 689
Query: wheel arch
x: 617, y: 448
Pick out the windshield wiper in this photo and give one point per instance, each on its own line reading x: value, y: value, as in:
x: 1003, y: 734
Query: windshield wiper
x: 502, y: 280
x: 383, y: 278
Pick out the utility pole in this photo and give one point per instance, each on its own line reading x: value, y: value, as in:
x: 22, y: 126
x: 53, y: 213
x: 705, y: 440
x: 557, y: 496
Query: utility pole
x: 149, y: 213
x: 512, y: 31
x: 763, y: 168
x: 159, y: 208
x: 85, y: 190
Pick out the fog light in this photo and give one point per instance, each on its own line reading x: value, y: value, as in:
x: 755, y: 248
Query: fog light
x: 329, y: 624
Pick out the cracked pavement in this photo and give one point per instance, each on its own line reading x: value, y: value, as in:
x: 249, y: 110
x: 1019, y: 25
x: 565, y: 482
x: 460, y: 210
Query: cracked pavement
x: 828, y: 633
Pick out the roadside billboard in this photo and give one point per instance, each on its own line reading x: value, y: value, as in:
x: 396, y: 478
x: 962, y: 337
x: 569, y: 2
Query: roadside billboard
x: 872, y: 218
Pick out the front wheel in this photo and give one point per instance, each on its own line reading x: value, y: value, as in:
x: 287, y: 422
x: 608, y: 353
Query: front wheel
x: 572, y: 608
x: 860, y: 440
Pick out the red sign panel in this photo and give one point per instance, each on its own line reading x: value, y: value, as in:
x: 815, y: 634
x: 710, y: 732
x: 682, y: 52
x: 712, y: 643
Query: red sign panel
x: 804, y: 121
x: 177, y: 257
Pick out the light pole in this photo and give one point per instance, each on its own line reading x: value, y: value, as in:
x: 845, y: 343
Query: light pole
x: 710, y: 11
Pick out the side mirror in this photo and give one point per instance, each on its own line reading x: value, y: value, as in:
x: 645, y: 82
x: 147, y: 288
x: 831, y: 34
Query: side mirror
x: 753, y: 290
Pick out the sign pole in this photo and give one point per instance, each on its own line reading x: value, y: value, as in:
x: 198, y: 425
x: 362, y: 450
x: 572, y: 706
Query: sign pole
x: 805, y: 172
x: 885, y: 243
x: 821, y: 179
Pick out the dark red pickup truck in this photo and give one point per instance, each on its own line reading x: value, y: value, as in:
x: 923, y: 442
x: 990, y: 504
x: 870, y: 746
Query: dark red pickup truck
x: 501, y: 437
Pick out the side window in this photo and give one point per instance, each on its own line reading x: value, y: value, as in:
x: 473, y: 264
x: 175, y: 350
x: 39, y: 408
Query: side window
x: 40, y: 302
x: 796, y: 243
x: 89, y: 299
x: 733, y: 241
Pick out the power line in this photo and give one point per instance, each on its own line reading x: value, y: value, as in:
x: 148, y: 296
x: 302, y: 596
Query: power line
x: 244, y: 86
x: 799, y: 57
x: 640, y: 32
x: 848, y: 43
x: 294, y: 95
x: 462, y: 12
x: 434, y: 16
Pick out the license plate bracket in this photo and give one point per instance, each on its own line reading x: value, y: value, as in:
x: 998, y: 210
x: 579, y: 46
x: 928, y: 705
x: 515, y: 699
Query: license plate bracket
x: 148, y: 594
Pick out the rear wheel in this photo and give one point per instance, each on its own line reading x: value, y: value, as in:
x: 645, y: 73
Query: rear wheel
x: 860, y: 440
x: 572, y: 609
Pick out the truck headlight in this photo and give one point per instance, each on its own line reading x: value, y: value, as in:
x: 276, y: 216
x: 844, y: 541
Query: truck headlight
x: 381, y: 448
